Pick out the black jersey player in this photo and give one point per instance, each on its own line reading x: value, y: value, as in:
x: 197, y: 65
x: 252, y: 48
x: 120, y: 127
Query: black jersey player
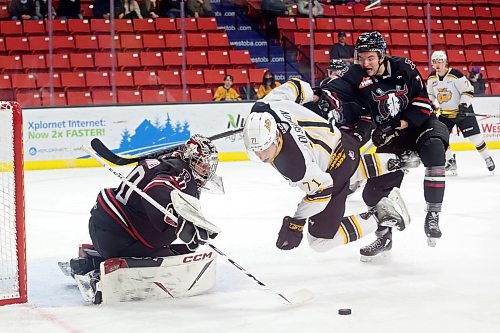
x: 394, y: 93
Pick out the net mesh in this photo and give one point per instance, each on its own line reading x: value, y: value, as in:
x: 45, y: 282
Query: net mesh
x: 9, y: 274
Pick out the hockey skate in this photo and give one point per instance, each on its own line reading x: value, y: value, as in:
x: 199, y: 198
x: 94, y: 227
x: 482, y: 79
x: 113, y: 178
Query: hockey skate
x: 490, y: 164
x: 431, y: 228
x: 87, y: 284
x: 407, y: 160
x: 392, y: 212
x: 451, y: 166
x: 379, y: 247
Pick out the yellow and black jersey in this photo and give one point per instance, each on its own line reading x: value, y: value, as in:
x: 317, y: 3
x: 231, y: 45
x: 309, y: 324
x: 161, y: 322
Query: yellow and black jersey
x: 450, y: 90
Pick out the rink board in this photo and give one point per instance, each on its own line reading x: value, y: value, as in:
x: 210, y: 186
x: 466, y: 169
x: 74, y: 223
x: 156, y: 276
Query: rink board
x: 53, y: 137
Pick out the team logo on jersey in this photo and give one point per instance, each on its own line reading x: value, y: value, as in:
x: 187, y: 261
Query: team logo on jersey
x: 152, y: 163
x: 351, y: 155
x: 444, y: 95
x: 367, y: 81
x: 390, y: 102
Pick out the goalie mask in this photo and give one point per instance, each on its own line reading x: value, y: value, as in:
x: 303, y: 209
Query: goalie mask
x: 202, y: 157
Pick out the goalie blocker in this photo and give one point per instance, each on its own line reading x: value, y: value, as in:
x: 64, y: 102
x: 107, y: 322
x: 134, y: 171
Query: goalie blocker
x: 138, y: 279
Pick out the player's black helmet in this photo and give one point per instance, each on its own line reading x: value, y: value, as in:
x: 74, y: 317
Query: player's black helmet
x: 371, y: 42
x: 336, y: 65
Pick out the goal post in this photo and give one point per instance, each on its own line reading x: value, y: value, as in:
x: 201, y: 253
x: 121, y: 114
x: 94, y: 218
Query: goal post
x: 13, y: 282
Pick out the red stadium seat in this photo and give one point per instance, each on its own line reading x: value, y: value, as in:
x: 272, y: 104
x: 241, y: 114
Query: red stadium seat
x: 153, y: 96
x: 129, y: 96
x: 73, y: 80
x: 176, y: 95
x: 128, y: 60
x: 79, y: 97
x: 436, y: 11
x: 322, y: 56
x: 325, y: 24
x: 302, y: 38
x: 11, y: 28
x: 491, y: 56
x: 240, y: 75
x: 218, y: 58
x: 207, y: 24
x: 29, y: 98
x: 189, y: 24
x: 472, y: 39
x: 57, y: 99
x: 169, y: 78
x: 2, y: 44
x: 495, y: 88
x: 240, y: 57
x: 437, y: 25
x: 123, y: 79
x: 416, y: 11
x: 59, y: 61
x: 438, y: 40
x: 66, y: 43
x: 218, y: 40
x: 151, y: 59
x: 86, y: 43
x: 474, y: 56
x: 449, y: 11
x: 194, y: 77
x: 165, y: 24
x: 131, y: 42
x: 454, y: 39
x: 381, y: 24
x: 255, y: 75
x: 382, y: 11
x: 363, y: 23
x: 43, y: 80
x: 398, y: 11
x: 124, y: 26
x: 102, y: 97
x: 213, y: 76
x: 34, y: 61
x: 101, y: 26
x: 400, y: 53
x: 303, y: 24
x: 59, y: 26
x: 173, y: 41
x: 486, y: 26
x: 466, y: 11
x: 400, y: 39
x: 328, y: 10
x: 104, y: 42
x: 78, y: 26
x: 323, y: 39
x: 104, y: 60
x: 482, y: 11
x: 456, y: 56
x: 286, y: 23
x: 492, y: 72
x: 153, y: 41
x: 489, y: 40
x: 97, y: 79
x: 344, y: 10
x: 343, y: 24
x: 451, y: 25
x: 419, y: 56
x: 196, y: 58
x: 81, y: 60
x: 23, y: 81
x: 33, y: 27
x: 10, y: 63
x: 172, y: 58
x: 4, y: 14
x: 200, y: 94
x: 399, y: 24
x: 417, y: 25
x: 145, y: 25
x: 469, y: 25
x: 145, y: 78
x: 5, y: 82
x: 197, y: 41
x: 17, y: 44
x: 418, y: 39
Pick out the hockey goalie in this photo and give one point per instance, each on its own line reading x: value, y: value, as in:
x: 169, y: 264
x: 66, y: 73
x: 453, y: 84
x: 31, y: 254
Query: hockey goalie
x: 137, y: 251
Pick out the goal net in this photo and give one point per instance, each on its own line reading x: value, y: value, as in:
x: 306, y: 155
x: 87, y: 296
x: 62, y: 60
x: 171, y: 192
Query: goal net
x: 12, y: 233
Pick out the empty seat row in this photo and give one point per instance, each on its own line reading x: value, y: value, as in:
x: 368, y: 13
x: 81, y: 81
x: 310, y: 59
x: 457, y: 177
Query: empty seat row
x: 37, y: 44
x: 96, y: 26
x: 216, y: 58
x: 144, y: 78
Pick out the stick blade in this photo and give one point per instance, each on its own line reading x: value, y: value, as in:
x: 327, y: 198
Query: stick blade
x: 298, y: 297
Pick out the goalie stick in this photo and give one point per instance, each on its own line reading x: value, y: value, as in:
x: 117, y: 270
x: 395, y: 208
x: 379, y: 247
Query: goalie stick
x: 188, y: 205
x: 194, y: 214
x: 107, y: 154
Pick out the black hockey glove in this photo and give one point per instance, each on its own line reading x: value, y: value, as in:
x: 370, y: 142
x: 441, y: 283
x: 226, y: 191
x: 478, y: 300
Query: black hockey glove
x: 191, y: 234
x: 462, y: 111
x: 326, y: 103
x: 290, y: 234
x: 382, y: 136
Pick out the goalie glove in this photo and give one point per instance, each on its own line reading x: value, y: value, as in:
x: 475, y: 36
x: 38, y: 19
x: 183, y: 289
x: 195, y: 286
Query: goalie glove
x: 382, y: 136
x: 290, y: 234
x: 192, y: 235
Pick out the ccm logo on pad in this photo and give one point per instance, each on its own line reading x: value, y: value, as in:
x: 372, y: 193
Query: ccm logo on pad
x: 197, y: 257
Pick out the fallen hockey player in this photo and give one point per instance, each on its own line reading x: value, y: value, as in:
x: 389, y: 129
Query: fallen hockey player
x: 137, y: 251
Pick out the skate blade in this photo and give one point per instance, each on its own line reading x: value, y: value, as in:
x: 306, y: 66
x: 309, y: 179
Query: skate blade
x: 432, y: 241
x: 451, y: 173
x: 65, y: 268
x: 378, y: 258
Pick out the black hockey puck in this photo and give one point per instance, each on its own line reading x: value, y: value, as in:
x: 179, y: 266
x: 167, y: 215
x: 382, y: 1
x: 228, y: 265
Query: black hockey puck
x: 344, y: 312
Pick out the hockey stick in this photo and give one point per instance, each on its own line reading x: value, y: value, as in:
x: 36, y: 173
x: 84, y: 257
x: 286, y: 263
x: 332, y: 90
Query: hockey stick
x: 108, y: 155
x: 295, y: 298
x: 195, y: 216
x: 472, y: 114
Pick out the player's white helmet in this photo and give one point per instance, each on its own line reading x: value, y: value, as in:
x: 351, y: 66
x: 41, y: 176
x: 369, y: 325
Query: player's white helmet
x: 202, y: 157
x: 260, y: 131
x: 439, y: 56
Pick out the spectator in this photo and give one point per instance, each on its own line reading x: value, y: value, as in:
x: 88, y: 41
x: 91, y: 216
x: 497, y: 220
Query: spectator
x: 170, y: 8
x: 23, y: 10
x: 272, y: 9
x: 476, y: 79
x: 341, y: 50
x: 127, y: 9
x: 69, y: 9
x: 101, y: 9
x: 148, y: 9
x: 226, y: 92
x: 268, y: 84
x: 200, y: 8
x: 303, y: 8
x: 42, y: 9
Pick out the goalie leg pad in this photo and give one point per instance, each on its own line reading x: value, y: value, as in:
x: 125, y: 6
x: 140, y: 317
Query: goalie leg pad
x: 134, y: 279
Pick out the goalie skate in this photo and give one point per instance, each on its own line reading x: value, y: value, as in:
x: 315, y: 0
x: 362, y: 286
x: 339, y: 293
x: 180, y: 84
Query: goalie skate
x: 451, y: 166
x: 392, y: 211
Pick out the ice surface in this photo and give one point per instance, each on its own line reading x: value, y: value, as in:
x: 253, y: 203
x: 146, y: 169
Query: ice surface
x: 454, y: 287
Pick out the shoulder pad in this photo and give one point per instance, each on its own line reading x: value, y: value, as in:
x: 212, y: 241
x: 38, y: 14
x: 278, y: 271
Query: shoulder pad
x: 456, y: 72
